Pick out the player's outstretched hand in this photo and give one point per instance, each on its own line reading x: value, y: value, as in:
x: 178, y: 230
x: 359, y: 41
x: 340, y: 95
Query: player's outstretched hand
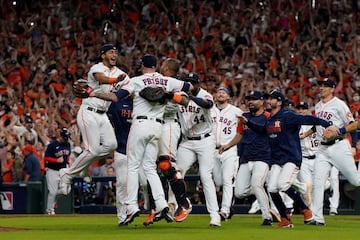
x: 242, y: 119
x: 330, y: 132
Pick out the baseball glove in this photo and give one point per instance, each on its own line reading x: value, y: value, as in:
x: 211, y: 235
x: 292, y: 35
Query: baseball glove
x: 154, y: 94
x: 81, y: 88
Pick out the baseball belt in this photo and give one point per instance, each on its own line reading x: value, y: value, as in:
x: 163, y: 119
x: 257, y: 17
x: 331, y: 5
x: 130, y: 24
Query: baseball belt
x: 148, y: 118
x: 198, y: 137
x: 96, y: 110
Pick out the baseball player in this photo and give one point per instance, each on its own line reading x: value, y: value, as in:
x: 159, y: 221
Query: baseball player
x: 96, y: 130
x: 57, y: 155
x: 227, y: 162
x: 144, y: 135
x: 167, y: 153
x: 334, y: 151
x: 198, y: 143
x: 282, y: 128
x: 120, y: 114
x: 255, y: 158
x: 309, y: 145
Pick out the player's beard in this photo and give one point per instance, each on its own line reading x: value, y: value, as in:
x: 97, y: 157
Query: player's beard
x: 253, y: 108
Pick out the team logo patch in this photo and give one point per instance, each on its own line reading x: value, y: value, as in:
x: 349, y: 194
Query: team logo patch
x: 7, y: 200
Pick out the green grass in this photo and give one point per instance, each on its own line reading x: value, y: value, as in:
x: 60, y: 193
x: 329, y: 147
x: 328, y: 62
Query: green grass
x: 104, y: 227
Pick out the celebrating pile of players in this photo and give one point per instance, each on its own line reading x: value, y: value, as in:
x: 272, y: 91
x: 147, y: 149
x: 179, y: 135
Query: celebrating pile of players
x: 267, y: 149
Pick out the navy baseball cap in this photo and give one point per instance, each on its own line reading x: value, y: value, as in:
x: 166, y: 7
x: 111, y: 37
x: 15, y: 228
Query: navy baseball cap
x: 276, y: 95
x: 149, y: 61
x: 302, y: 105
x: 255, y: 95
x: 192, y: 78
x: 106, y: 48
x: 28, y: 119
x: 225, y: 89
x: 327, y: 83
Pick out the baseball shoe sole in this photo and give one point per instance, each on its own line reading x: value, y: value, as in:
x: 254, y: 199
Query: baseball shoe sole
x: 315, y: 223
x: 149, y: 220
x: 130, y: 218
x: 165, y: 213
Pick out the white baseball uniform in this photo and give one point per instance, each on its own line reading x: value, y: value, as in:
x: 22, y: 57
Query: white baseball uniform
x: 337, y: 153
x: 309, y: 147
x: 227, y: 163
x: 143, y: 140
x: 199, y: 144
x: 96, y: 130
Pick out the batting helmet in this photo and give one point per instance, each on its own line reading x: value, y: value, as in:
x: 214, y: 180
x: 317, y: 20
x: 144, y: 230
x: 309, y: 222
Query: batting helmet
x: 192, y: 78
x: 65, y: 133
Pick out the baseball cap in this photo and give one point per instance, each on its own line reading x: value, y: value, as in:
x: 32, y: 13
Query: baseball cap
x: 255, y: 95
x: 327, y: 82
x: 149, y: 61
x: 106, y: 48
x: 192, y: 78
x: 28, y: 119
x: 275, y: 94
x: 28, y: 148
x: 302, y: 105
x: 225, y: 89
x: 65, y: 133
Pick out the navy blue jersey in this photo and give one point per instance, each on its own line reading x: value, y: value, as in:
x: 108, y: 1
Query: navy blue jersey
x: 32, y: 167
x: 283, y: 131
x: 254, y: 146
x: 120, y: 116
x: 54, y: 150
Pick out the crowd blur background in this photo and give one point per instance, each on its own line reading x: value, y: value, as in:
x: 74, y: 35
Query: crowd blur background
x: 241, y: 44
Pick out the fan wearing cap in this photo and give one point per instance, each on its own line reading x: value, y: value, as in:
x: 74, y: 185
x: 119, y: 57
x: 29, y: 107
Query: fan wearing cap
x: 26, y: 132
x: 198, y: 143
x: 255, y: 158
x: 334, y: 151
x: 96, y: 130
x: 282, y: 129
x: 225, y: 130
x: 143, y: 145
x: 31, y: 168
x: 57, y: 155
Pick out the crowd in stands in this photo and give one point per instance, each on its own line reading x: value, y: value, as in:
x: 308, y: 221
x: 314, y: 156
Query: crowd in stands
x: 241, y: 44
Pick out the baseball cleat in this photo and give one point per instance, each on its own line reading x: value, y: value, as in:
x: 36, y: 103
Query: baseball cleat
x: 163, y: 214
x: 267, y: 222
x: 255, y: 207
x: 315, y: 223
x: 308, y: 216
x: 182, y: 213
x: 122, y: 224
x: 224, y: 216
x: 51, y: 213
x: 333, y: 212
x: 285, y: 223
x: 215, y: 221
x: 150, y: 219
x: 130, y: 217
x: 289, y: 212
